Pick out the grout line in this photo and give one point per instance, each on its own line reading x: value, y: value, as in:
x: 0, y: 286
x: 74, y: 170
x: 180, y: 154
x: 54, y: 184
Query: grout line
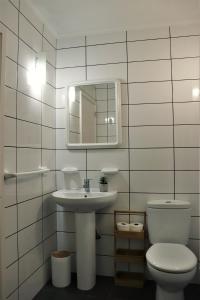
x: 17, y: 207
x: 41, y: 141
x: 130, y: 62
x: 129, y: 41
x: 86, y: 58
x: 129, y: 155
x: 173, y: 115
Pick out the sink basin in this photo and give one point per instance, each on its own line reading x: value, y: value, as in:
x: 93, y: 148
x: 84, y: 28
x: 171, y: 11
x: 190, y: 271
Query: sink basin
x: 80, y: 201
x: 84, y: 206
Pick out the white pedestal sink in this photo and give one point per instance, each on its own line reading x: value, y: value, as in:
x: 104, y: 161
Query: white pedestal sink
x: 84, y: 205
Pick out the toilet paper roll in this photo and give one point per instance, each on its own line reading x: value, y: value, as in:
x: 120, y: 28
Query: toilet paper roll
x: 137, y: 227
x: 123, y: 226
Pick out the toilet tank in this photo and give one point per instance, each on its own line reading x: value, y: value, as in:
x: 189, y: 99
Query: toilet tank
x: 168, y: 221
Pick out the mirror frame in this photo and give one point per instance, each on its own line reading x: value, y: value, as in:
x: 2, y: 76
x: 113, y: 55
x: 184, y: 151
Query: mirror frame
x: 118, y: 142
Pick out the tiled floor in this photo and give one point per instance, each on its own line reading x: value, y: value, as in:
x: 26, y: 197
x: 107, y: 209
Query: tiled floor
x: 106, y: 290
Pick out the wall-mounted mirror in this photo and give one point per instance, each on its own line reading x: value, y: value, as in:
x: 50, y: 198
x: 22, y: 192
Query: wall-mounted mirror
x: 94, y: 114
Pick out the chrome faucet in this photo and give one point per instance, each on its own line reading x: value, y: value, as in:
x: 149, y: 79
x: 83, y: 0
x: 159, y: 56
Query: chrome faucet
x: 86, y: 185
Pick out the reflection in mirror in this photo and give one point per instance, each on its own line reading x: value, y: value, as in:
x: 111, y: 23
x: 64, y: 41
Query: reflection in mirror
x: 92, y: 116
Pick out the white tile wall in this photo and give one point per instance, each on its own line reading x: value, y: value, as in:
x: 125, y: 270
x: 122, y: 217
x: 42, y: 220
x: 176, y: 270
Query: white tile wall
x: 151, y: 126
x: 29, y: 131
x: 159, y: 157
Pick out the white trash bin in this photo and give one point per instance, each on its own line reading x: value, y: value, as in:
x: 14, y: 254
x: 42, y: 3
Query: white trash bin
x: 61, y: 268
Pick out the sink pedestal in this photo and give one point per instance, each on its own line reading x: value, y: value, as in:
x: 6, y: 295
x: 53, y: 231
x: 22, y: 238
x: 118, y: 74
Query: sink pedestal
x: 85, y: 250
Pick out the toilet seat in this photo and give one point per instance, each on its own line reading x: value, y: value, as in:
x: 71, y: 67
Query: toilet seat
x: 171, y: 258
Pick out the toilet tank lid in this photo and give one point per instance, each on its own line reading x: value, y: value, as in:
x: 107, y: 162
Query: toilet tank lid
x: 168, y: 204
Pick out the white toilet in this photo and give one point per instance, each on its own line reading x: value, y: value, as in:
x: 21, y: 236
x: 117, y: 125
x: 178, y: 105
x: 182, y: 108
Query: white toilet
x: 171, y: 264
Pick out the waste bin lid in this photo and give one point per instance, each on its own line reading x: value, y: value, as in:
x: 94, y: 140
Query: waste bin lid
x: 61, y: 254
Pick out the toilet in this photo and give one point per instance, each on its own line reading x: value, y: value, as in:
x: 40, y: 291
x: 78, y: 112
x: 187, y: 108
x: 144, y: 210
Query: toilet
x: 169, y: 261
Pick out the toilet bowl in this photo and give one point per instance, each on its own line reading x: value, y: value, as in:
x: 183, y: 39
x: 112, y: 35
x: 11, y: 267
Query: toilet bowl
x: 172, y: 266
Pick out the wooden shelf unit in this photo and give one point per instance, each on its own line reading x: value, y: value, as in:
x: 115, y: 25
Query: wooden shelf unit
x: 129, y: 256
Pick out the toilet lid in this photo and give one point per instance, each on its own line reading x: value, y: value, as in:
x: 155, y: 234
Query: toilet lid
x: 172, y: 258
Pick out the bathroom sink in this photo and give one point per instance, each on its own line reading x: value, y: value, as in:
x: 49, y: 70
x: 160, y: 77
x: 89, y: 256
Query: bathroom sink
x: 80, y: 201
x: 84, y: 206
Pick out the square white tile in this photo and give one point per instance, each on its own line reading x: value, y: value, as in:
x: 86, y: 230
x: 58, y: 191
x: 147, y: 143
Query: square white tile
x: 29, y: 237
x: 150, y: 114
x: 185, y: 47
x: 185, y: 68
x: 149, y: 71
x: 98, y: 159
x: 149, y: 50
x: 187, y: 136
x: 118, y: 182
x: 108, y: 71
x: 25, y: 189
x: 70, y: 158
x: 150, y: 92
x: 187, y: 182
x: 29, y: 212
x: 69, y: 75
x: 28, y: 134
x: 74, y: 57
x: 152, y: 182
x: 186, y: 90
x: 187, y: 159
x: 104, y: 54
x: 187, y: 113
x: 48, y: 138
x: 10, y: 102
x: 28, y: 109
x: 151, y: 136
x: 9, y: 132
x: 151, y: 159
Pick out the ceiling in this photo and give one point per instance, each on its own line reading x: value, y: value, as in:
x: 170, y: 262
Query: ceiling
x: 76, y: 17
